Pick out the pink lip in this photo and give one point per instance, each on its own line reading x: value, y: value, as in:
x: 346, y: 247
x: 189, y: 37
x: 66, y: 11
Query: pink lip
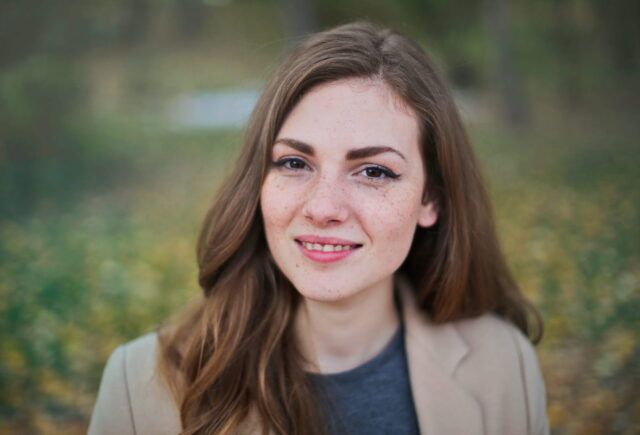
x: 324, y: 257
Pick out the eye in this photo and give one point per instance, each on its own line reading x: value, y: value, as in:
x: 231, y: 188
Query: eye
x: 376, y: 172
x: 291, y: 163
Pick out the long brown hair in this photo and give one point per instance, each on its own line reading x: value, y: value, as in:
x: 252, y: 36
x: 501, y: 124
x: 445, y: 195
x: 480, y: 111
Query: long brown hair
x: 235, y: 353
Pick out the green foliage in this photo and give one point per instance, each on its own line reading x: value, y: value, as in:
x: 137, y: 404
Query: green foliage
x: 77, y: 282
x: 568, y: 217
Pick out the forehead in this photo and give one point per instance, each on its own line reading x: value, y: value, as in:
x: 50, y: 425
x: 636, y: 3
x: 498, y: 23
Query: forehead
x: 353, y: 113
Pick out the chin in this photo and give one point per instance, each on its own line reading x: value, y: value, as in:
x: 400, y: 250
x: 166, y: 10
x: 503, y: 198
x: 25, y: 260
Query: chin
x: 327, y: 294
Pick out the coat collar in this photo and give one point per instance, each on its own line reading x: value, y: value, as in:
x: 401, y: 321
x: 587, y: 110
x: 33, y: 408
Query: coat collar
x: 442, y: 404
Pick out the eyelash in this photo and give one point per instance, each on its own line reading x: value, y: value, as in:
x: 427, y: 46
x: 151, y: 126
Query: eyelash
x: 387, y: 173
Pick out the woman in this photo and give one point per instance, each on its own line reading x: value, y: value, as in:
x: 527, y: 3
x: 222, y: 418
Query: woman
x: 352, y: 279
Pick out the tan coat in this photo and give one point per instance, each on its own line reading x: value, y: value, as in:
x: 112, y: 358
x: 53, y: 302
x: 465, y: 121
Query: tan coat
x: 472, y: 377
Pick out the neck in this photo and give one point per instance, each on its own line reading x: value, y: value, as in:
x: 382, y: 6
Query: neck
x: 338, y: 336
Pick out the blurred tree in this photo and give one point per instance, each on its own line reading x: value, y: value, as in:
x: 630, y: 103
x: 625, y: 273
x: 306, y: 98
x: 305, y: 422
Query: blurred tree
x: 514, y: 102
x: 299, y: 17
x: 43, y: 93
x: 568, y: 39
x: 618, y: 22
x: 21, y: 29
x: 191, y: 16
x: 137, y: 17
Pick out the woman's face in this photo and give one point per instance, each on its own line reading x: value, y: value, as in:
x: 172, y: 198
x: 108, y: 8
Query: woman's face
x: 342, y: 198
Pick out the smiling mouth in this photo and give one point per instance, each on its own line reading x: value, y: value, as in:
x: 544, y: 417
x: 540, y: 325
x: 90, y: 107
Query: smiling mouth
x: 326, y: 252
x: 327, y: 247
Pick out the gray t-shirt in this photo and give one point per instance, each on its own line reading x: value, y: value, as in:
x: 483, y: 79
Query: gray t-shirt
x: 374, y: 398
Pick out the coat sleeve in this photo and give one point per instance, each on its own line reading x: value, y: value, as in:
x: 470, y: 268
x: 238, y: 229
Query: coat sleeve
x: 533, y: 382
x: 112, y: 413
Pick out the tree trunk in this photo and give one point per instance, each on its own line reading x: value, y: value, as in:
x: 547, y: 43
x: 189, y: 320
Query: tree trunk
x: 514, y: 105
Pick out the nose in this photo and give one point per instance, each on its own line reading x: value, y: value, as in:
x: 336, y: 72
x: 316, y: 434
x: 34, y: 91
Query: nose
x: 325, y: 203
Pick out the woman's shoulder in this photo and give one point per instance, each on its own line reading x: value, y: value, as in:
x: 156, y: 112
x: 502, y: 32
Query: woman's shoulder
x: 490, y: 332
x: 498, y: 345
x: 132, y: 397
x: 141, y: 355
x: 492, y: 338
x: 499, y: 353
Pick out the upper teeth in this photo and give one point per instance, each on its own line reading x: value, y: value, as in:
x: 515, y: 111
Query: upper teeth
x: 326, y: 248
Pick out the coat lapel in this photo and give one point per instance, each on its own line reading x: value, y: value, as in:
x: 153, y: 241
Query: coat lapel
x: 442, y: 404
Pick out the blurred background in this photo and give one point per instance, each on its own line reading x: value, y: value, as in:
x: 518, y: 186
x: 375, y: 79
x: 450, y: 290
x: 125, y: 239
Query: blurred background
x: 118, y: 119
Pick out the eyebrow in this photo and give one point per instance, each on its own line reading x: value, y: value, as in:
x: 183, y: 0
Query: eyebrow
x: 353, y: 154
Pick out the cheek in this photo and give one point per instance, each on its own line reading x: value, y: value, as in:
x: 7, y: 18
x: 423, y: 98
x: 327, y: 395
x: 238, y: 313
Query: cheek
x: 394, y: 218
x: 276, y: 204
